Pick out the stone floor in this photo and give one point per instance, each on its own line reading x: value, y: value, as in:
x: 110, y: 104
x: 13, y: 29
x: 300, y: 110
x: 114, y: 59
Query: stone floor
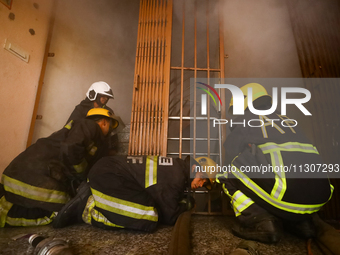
x: 210, y: 235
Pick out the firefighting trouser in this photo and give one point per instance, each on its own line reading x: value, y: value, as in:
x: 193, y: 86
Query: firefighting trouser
x: 117, y: 201
x: 248, y: 204
x: 16, y: 215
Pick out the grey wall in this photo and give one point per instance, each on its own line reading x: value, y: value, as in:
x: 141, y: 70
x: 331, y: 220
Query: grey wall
x: 259, y: 43
x: 92, y: 41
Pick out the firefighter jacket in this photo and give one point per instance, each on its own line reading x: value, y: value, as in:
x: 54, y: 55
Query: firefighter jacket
x: 136, y: 192
x: 80, y: 112
x: 40, y: 176
x: 268, y: 156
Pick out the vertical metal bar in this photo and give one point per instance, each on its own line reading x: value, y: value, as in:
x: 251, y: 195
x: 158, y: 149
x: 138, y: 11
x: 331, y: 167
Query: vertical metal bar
x: 147, y: 82
x: 155, y: 79
x: 141, y: 79
x: 208, y: 76
x: 182, y: 84
x: 161, y: 82
x: 149, y: 94
x: 132, y: 142
x: 222, y: 91
x: 166, y: 77
x: 195, y: 76
x: 144, y: 83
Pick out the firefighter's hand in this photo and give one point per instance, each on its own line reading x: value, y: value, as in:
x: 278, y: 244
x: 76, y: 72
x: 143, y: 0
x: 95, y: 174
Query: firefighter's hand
x: 189, y: 204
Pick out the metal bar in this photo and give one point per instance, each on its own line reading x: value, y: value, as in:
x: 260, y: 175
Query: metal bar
x: 141, y: 141
x: 190, y: 139
x: 142, y: 80
x: 157, y: 79
x: 166, y: 77
x: 195, y: 76
x: 133, y: 127
x: 195, y: 68
x: 223, y: 131
x: 182, y: 84
x: 160, y: 106
x: 197, y: 153
x: 190, y: 118
x: 148, y: 131
x: 208, y: 76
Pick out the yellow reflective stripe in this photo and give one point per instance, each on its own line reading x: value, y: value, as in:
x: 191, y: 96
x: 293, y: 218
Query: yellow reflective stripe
x: 5, y: 206
x: 22, y: 222
x: 90, y: 213
x: 240, y: 202
x: 280, y: 185
x: 289, y: 146
x: 99, y: 217
x: 274, y: 149
x: 93, y: 150
x: 221, y: 175
x: 34, y: 193
x: 86, y: 215
x: 80, y: 167
x: 69, y: 125
x: 123, y: 207
x: 150, y: 171
x: 286, y: 206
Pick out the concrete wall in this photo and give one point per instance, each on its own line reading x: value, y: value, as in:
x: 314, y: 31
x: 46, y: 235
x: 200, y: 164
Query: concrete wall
x: 19, y: 80
x: 92, y: 41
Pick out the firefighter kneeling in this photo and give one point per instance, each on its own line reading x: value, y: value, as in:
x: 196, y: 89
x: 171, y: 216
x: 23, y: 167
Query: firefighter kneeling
x: 263, y: 202
x: 42, y: 179
x: 133, y: 192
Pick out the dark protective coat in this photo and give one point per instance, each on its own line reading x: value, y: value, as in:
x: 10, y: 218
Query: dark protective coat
x: 273, y: 144
x: 80, y: 112
x: 40, y: 176
x: 157, y: 183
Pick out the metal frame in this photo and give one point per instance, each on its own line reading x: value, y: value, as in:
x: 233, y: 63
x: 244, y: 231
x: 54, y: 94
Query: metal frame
x: 196, y: 119
x: 149, y: 118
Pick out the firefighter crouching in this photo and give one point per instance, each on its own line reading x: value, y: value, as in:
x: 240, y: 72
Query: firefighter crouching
x: 265, y: 202
x: 133, y: 192
x: 40, y: 180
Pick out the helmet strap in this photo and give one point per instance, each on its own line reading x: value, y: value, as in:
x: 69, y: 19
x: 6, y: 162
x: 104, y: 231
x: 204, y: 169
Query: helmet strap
x: 98, y: 101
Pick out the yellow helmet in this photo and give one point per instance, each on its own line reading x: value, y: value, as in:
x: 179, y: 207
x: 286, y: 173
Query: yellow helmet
x: 206, y: 162
x: 98, y: 112
x: 258, y: 91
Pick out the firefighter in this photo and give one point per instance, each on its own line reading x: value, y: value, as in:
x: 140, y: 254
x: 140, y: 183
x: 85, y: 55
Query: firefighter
x: 264, y: 201
x: 133, y: 192
x: 40, y: 180
x: 97, y: 96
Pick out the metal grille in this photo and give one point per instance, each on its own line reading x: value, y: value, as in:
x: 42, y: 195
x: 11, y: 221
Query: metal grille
x: 149, y: 118
x: 197, y: 52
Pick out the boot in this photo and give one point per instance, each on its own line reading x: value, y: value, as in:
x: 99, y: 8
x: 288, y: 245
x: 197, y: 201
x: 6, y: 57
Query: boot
x: 265, y: 229
x: 303, y: 229
x: 72, y: 211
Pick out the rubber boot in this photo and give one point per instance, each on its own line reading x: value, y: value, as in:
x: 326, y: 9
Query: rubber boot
x: 71, y: 212
x: 264, y: 228
x: 303, y: 229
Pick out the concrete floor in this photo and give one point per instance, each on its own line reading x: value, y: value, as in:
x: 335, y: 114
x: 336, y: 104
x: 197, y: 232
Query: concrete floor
x: 210, y: 235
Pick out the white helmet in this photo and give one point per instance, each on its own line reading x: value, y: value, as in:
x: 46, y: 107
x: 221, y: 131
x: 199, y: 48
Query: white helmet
x: 101, y: 88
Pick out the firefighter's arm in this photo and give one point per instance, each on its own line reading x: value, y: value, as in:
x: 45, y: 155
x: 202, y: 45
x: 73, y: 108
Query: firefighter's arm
x: 172, y: 205
x: 77, y: 144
